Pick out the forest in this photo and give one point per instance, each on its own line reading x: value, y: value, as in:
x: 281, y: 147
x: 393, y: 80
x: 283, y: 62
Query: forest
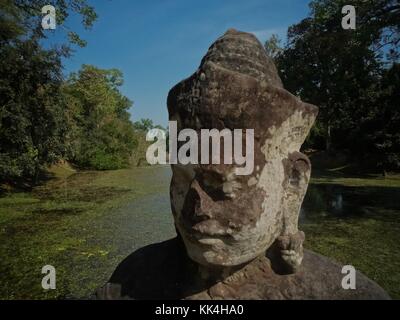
x: 46, y: 117
x: 353, y: 76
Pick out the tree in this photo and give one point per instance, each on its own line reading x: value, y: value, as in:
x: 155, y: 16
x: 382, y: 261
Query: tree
x: 144, y: 125
x: 101, y: 135
x: 23, y: 17
x: 379, y: 137
x: 273, y: 47
x: 339, y: 70
x: 389, y: 148
x: 32, y: 117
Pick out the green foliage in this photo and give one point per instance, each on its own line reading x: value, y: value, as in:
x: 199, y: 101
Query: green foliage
x: 272, y: 46
x: 10, y: 21
x: 101, y: 135
x: 343, y: 73
x: 141, y: 128
x: 316, y: 137
x: 30, y: 16
x: 32, y: 120
x: 145, y: 125
x: 101, y: 160
x: 379, y: 136
x: 42, y: 117
x: 390, y: 113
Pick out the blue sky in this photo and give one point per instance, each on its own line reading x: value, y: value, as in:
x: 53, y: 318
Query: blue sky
x: 157, y: 43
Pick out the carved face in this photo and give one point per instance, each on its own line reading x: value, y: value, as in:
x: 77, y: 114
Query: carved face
x: 227, y: 219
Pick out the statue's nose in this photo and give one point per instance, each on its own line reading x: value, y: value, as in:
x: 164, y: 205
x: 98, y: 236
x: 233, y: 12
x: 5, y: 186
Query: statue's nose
x: 198, y: 204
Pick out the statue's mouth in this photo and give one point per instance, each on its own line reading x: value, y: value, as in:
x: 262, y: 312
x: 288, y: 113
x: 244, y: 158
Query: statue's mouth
x: 209, y: 239
x: 206, y: 231
x: 211, y: 227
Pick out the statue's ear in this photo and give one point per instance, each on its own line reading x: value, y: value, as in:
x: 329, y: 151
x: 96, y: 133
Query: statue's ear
x: 300, y: 169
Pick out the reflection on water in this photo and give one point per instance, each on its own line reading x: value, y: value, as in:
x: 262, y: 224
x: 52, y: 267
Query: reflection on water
x: 330, y: 200
x: 337, y: 203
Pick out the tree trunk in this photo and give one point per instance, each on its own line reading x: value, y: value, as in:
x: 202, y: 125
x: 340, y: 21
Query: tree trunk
x: 328, y: 138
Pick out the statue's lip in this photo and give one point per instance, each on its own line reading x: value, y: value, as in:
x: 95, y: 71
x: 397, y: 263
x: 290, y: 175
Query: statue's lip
x: 210, y: 227
x: 206, y: 230
x: 209, y: 239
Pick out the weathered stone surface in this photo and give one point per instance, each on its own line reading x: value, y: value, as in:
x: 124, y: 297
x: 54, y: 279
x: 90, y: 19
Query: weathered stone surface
x: 226, y: 219
x: 164, y: 271
x: 238, y: 235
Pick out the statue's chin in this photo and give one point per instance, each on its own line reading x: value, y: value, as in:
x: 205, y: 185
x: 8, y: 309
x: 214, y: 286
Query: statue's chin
x: 221, y: 251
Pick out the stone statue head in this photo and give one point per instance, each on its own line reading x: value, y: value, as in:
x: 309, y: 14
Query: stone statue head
x: 227, y: 219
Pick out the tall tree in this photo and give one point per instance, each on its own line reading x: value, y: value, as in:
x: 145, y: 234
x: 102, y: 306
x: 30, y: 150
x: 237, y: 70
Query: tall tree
x: 337, y: 69
x: 101, y: 135
x: 31, y: 115
x: 273, y: 46
x: 379, y: 137
x: 32, y: 118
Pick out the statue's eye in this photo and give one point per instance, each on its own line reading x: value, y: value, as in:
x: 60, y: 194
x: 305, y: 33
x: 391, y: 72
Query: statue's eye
x: 212, y: 184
